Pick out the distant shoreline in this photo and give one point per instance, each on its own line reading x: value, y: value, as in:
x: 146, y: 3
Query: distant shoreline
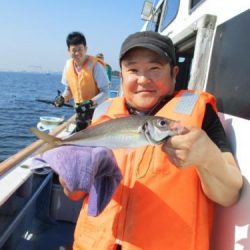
x: 114, y: 73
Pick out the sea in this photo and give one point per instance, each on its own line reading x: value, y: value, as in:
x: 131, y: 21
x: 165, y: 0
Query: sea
x: 20, y: 110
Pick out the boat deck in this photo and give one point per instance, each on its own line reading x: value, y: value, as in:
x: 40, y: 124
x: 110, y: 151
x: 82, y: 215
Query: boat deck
x: 38, y: 216
x: 47, y: 236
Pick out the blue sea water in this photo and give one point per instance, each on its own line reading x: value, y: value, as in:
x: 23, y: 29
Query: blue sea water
x: 20, y: 111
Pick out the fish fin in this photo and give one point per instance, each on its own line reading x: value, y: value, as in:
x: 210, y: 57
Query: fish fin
x: 50, y: 139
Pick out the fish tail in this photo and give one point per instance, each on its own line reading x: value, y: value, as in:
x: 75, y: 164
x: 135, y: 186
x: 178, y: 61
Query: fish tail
x: 44, y: 148
x: 51, y: 140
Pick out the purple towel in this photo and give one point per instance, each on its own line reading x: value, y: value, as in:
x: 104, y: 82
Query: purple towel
x: 90, y: 169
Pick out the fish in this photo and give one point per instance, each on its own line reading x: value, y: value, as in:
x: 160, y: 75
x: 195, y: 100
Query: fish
x: 125, y: 132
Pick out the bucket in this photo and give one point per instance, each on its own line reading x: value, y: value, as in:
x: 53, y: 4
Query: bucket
x: 48, y: 123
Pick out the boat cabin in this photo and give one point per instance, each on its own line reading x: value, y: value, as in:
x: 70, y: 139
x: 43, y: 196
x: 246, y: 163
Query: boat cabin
x: 212, y: 41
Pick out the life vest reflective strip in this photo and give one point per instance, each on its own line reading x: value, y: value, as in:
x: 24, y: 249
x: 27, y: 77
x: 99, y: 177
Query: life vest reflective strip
x: 157, y: 206
x: 101, y: 109
x: 82, y: 86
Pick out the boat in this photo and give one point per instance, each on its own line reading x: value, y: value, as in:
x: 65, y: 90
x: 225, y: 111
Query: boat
x: 212, y: 46
x: 33, y: 209
x: 211, y: 39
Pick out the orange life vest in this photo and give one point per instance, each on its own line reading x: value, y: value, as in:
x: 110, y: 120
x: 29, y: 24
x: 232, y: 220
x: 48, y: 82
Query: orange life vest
x: 157, y: 206
x: 83, y: 86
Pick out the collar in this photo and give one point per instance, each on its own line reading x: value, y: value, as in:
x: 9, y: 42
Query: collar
x: 152, y: 111
x: 79, y: 69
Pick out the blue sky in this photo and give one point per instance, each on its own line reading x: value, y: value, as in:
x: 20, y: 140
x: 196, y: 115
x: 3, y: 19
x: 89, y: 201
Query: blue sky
x: 33, y: 32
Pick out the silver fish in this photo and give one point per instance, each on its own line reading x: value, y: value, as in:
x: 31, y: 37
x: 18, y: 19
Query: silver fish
x: 126, y: 132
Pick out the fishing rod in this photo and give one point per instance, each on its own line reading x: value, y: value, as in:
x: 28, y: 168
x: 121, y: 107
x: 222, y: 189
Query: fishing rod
x: 53, y: 103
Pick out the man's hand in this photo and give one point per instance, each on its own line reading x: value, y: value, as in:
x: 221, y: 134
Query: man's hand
x: 220, y: 177
x: 189, y: 148
x: 82, y: 107
x: 59, y: 101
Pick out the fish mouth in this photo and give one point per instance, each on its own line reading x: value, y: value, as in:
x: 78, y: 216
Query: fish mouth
x: 145, y: 129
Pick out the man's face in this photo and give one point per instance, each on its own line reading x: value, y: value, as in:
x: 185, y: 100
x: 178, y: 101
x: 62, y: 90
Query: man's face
x: 78, y: 52
x: 146, y: 78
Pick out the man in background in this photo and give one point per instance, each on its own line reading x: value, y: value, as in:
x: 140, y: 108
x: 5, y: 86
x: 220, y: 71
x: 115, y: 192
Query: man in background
x: 100, y: 58
x: 85, y: 80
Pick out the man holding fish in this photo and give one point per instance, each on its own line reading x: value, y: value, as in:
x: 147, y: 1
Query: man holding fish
x: 171, y: 182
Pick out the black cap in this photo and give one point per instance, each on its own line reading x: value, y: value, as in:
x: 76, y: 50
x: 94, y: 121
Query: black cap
x: 154, y: 41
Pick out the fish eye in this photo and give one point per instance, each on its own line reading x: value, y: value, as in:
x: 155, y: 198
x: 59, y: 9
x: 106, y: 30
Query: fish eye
x: 162, y: 123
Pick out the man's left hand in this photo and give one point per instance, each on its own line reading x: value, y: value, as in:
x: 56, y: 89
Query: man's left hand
x: 82, y: 107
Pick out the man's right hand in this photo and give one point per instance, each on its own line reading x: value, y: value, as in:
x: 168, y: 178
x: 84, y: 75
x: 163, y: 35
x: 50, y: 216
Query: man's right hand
x: 59, y: 101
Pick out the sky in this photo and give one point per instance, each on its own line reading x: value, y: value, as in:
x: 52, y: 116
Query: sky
x: 33, y: 32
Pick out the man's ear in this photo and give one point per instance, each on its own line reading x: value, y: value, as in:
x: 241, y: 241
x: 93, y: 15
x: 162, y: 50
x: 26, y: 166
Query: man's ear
x: 175, y: 71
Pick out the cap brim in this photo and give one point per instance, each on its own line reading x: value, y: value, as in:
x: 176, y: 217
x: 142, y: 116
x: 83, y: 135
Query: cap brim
x: 156, y: 49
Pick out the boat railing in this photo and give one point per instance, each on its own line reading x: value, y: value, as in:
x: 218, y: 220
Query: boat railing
x: 30, y: 149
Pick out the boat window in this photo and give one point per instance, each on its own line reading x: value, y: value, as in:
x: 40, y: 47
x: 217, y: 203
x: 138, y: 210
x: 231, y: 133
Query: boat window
x: 170, y: 12
x: 228, y: 77
x: 184, y: 62
x: 194, y: 3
